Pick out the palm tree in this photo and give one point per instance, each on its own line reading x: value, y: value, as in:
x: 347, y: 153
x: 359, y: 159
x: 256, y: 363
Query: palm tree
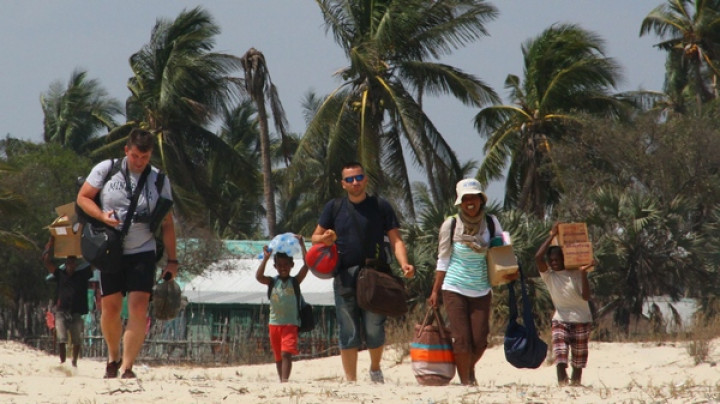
x: 374, y: 113
x: 690, y: 30
x: 566, y: 72
x: 646, y: 248
x: 178, y: 86
x: 259, y: 86
x: 74, y: 114
x: 308, y: 172
x: 239, y: 215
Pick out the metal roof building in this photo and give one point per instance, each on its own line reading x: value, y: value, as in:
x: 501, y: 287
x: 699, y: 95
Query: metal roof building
x: 232, y: 281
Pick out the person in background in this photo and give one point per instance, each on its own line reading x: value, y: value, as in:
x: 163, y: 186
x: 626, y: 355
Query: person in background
x: 359, y: 227
x: 461, y: 274
x: 572, y: 320
x: 71, y: 301
x: 138, y: 273
x: 284, y: 311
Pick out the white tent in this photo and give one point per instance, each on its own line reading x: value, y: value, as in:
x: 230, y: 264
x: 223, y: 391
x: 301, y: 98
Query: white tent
x: 233, y: 281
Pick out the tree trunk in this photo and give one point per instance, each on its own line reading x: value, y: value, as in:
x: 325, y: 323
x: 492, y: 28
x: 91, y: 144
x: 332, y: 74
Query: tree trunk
x: 268, y: 192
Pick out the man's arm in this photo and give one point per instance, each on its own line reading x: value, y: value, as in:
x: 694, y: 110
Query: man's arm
x: 323, y: 235
x: 397, y: 244
x: 86, y: 201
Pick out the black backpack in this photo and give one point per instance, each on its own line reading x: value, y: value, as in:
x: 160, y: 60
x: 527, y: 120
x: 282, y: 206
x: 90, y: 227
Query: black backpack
x: 307, y: 319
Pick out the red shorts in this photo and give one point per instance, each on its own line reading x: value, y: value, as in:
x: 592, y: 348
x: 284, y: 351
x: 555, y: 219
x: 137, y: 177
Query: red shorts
x: 283, y: 338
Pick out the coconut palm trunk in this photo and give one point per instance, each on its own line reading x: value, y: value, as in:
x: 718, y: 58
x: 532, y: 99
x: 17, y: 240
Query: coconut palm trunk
x: 258, y: 84
x: 268, y: 192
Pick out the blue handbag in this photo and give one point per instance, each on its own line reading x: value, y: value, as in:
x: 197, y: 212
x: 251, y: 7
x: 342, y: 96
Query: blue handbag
x: 523, y: 346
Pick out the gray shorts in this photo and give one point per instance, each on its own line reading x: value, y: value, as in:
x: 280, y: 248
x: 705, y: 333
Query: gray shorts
x: 71, y: 323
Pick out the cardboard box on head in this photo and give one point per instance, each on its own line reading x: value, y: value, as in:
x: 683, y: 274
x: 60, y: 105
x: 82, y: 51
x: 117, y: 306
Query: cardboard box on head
x: 574, y: 240
x: 66, y: 231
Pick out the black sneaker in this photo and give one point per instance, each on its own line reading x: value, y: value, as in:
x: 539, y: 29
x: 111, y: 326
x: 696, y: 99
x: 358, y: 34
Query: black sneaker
x: 111, y: 369
x: 128, y: 374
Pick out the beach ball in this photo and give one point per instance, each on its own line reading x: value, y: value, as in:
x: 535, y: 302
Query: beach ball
x: 322, y: 259
x: 285, y: 243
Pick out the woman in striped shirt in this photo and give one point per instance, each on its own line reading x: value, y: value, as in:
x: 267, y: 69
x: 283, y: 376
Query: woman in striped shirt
x: 462, y: 276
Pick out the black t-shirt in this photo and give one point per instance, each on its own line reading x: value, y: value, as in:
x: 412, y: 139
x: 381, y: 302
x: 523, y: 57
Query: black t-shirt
x: 375, y: 217
x: 72, y: 290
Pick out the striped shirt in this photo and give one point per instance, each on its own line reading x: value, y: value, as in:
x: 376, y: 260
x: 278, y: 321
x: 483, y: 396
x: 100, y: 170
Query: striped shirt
x: 466, y: 269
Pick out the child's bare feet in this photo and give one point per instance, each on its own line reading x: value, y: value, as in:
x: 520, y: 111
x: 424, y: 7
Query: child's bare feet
x: 576, y: 377
x: 562, y: 374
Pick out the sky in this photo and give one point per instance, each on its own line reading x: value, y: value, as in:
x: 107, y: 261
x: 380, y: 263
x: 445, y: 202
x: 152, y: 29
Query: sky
x: 43, y: 41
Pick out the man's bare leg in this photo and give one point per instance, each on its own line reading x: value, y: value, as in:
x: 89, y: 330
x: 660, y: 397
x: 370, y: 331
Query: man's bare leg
x: 349, y: 361
x: 135, y: 331
x: 111, y: 325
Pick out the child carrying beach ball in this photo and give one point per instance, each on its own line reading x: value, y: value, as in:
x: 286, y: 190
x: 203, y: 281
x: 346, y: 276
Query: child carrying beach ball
x: 284, y: 310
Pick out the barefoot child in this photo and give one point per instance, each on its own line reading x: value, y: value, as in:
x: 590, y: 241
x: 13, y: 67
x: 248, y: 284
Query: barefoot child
x: 284, y: 312
x: 571, y: 323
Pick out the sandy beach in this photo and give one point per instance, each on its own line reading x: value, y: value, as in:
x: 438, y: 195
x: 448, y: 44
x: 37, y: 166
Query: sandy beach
x: 617, y: 373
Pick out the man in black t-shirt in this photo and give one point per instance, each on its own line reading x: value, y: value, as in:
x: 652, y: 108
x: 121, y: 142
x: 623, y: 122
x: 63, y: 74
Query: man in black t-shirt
x: 358, y: 226
x: 71, y: 302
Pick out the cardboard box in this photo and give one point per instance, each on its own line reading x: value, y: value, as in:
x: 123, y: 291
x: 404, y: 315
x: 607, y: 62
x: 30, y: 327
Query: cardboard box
x: 575, y: 242
x: 66, y: 246
x: 577, y: 254
x: 572, y: 233
x: 66, y: 231
x: 501, y: 261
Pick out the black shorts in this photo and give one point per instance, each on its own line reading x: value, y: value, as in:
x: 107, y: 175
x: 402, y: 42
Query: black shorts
x: 137, y: 275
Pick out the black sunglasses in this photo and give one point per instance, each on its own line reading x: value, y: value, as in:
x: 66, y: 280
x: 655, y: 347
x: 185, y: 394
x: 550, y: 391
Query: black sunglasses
x: 352, y: 178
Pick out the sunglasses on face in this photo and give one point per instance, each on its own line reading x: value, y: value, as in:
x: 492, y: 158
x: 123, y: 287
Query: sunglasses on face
x: 352, y: 178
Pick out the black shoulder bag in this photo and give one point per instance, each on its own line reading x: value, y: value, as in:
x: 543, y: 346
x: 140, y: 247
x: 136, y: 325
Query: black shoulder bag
x: 102, y: 245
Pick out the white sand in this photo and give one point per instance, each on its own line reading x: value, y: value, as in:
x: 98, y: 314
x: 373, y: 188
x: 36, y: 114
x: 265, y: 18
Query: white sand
x: 617, y: 372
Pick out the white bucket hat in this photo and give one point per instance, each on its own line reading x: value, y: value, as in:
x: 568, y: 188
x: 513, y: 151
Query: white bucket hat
x: 469, y: 186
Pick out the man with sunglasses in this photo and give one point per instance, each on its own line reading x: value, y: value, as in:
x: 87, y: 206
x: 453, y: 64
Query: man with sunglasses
x: 358, y: 224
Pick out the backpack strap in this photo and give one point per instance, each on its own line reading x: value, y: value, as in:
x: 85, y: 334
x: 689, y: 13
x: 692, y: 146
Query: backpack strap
x: 271, y: 285
x: 298, y: 294
x: 453, y: 224
x: 337, y: 205
x: 115, y: 167
x: 490, y: 225
x: 160, y: 181
x: 296, y: 287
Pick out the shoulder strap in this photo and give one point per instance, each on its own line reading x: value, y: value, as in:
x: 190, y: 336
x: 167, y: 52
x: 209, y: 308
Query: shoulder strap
x: 337, y: 204
x: 490, y: 225
x: 528, y: 320
x: 296, y: 286
x: 134, y: 200
x: 160, y: 181
x: 453, y: 223
x: 271, y: 285
x: 115, y: 166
